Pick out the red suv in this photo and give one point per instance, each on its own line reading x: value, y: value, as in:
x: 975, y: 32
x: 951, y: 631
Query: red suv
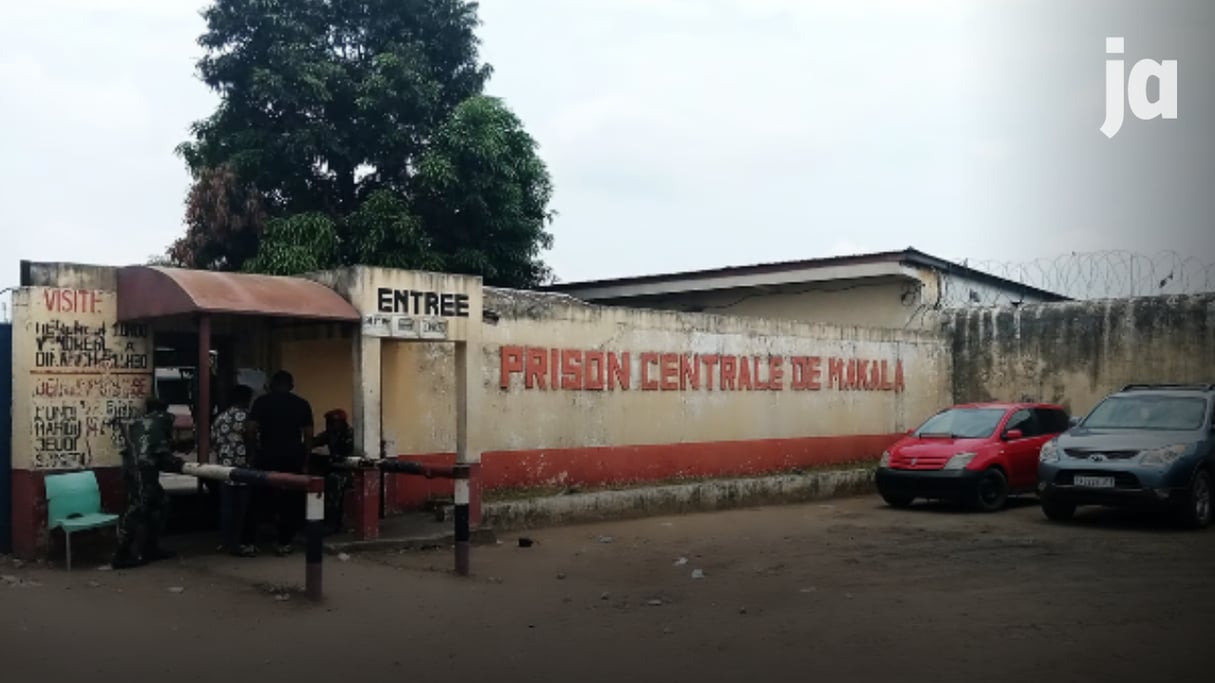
x: 978, y: 454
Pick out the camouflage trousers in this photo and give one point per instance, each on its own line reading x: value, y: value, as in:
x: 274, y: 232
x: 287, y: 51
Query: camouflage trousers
x: 337, y: 483
x: 146, y: 508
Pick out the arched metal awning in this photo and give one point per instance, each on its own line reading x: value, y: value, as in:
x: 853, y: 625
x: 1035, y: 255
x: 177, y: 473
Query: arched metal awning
x: 150, y: 292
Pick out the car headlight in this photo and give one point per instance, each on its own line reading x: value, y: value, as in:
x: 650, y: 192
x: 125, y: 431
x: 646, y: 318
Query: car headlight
x: 1049, y: 452
x: 959, y: 461
x: 1164, y: 456
x: 885, y: 461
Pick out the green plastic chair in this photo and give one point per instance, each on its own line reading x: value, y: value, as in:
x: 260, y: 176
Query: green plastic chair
x: 74, y: 504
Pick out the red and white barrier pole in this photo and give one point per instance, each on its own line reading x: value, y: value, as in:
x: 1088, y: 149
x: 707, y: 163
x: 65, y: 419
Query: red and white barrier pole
x: 460, y: 473
x: 314, y: 491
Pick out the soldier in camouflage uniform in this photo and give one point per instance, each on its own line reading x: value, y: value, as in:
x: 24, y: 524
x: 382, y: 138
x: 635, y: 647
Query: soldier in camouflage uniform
x: 147, y: 451
x: 339, y: 438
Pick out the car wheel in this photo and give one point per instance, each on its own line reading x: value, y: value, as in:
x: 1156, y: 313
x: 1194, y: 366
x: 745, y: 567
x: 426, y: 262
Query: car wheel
x: 895, y: 500
x: 1058, y: 511
x: 991, y: 493
x: 1196, y: 507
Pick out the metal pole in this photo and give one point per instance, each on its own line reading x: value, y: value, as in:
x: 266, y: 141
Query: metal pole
x: 314, y: 550
x: 463, y: 534
x: 314, y: 488
x: 202, y: 407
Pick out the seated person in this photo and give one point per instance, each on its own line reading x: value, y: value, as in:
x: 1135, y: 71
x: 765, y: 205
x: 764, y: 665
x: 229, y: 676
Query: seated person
x: 338, y: 438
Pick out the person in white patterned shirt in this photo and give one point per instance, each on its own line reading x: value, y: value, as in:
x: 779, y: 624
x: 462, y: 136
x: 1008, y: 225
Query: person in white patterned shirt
x: 233, y: 447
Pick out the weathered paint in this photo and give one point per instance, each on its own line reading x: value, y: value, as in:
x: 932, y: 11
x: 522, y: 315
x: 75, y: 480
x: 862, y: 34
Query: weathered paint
x: 437, y: 306
x: 29, y: 533
x: 806, y: 394
x: 6, y: 438
x: 636, y: 464
x: 1075, y: 353
x: 75, y: 370
x: 676, y: 499
x: 322, y: 371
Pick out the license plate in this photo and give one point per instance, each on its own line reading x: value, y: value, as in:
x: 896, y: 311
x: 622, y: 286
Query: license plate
x: 1094, y: 482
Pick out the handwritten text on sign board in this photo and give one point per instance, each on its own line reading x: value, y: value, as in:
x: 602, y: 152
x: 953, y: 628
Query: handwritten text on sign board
x: 86, y: 371
x: 593, y: 370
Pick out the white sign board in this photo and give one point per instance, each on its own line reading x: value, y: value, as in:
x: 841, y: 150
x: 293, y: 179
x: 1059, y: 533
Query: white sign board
x: 404, y: 327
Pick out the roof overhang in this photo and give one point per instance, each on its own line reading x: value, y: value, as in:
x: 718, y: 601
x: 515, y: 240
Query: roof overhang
x: 149, y: 292
x: 793, y: 276
x: 899, y: 264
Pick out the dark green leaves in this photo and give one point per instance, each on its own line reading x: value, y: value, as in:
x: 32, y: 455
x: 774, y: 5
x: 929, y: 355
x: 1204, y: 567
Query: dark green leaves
x: 358, y: 131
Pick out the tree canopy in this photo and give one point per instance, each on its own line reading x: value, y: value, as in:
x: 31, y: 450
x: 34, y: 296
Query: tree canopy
x: 357, y: 131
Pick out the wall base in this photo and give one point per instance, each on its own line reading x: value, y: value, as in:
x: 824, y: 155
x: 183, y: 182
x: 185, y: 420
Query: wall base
x: 639, y: 465
x: 679, y: 499
x: 30, y: 538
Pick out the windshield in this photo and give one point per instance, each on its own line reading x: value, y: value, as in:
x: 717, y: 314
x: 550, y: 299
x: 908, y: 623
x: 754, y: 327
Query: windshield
x: 1162, y: 413
x: 962, y: 423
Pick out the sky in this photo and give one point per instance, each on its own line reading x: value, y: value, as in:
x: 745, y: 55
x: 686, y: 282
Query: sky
x: 686, y: 134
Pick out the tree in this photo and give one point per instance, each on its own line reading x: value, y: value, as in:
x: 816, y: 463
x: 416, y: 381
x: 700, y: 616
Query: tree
x: 224, y: 221
x: 483, y: 182
x: 338, y: 140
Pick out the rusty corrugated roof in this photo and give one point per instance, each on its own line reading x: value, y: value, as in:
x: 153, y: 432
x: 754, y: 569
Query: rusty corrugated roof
x: 146, y: 292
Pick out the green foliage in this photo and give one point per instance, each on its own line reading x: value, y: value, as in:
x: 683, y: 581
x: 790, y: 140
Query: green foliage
x: 300, y: 243
x: 356, y: 128
x: 483, y: 182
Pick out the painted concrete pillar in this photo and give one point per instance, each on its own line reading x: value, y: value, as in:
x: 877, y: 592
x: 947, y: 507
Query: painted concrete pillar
x: 366, y: 422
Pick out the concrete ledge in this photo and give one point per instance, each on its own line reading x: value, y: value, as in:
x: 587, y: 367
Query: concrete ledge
x: 481, y: 536
x: 718, y: 494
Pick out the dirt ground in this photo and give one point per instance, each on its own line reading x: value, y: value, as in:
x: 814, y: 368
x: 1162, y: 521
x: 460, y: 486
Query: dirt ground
x: 848, y: 591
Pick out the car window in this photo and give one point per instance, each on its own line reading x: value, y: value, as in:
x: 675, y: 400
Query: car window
x: 1052, y: 420
x: 963, y: 423
x: 1151, y: 412
x: 1022, y: 420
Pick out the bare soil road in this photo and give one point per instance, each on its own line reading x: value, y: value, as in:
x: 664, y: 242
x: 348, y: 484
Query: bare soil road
x: 847, y: 591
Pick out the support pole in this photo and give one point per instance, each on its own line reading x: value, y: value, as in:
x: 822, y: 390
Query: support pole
x: 464, y: 381
x: 202, y: 402
x: 314, y: 550
x: 463, y: 532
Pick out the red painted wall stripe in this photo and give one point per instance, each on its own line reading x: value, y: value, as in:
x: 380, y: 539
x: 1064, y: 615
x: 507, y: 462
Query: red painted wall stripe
x: 600, y: 465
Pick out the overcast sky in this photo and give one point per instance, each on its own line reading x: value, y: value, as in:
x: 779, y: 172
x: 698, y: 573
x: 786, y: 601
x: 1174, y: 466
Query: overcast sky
x: 684, y: 133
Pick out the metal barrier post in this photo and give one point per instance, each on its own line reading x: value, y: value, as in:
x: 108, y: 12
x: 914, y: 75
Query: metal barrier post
x: 314, y: 490
x: 461, y: 474
x: 314, y: 550
x: 462, y: 532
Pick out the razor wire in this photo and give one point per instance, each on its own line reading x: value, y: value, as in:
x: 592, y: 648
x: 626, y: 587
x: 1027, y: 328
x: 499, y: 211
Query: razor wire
x: 1109, y: 274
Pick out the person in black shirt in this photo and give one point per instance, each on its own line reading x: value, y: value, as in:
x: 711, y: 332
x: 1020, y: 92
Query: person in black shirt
x: 282, y: 424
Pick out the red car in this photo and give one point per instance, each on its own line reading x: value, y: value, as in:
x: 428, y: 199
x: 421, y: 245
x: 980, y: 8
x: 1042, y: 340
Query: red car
x: 977, y: 454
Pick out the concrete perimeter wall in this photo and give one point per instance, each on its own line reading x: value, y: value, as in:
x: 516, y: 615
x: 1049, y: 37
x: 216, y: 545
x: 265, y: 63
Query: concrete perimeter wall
x: 1075, y: 353
x: 577, y: 395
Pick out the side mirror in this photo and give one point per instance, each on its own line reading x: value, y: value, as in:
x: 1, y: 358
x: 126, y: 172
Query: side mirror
x: 912, y: 431
x: 1013, y: 435
x: 1073, y: 421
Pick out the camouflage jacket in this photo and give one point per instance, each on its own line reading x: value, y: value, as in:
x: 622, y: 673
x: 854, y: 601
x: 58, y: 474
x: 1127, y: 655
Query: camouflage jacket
x: 148, y: 441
